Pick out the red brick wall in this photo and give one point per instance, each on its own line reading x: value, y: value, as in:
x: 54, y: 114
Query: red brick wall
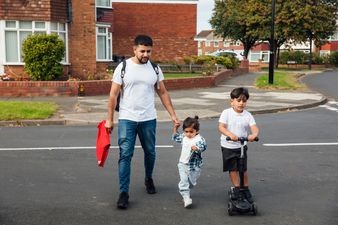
x: 37, y: 88
x: 19, y: 73
x: 82, y: 39
x: 172, y: 27
x: 59, y: 10
x: 25, y: 9
x: 102, y: 87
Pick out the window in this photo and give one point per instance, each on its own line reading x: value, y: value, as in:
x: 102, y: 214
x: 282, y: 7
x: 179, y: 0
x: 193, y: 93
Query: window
x: 207, y: 44
x: 17, y: 31
x: 259, y: 56
x: 103, y: 3
x: 215, y: 44
x: 61, y: 31
x: 103, y: 44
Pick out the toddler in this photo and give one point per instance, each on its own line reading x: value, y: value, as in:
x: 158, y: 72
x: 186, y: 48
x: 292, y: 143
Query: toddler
x: 190, y: 162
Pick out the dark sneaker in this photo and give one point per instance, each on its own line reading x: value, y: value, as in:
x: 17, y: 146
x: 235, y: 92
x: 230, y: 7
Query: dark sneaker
x: 235, y: 193
x: 247, y: 195
x: 150, y: 186
x: 122, y: 203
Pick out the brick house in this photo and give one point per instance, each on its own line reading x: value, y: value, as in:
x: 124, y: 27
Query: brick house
x: 96, y: 30
x: 208, y: 42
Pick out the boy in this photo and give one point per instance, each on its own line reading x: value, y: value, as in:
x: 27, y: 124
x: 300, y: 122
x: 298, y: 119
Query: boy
x: 236, y: 122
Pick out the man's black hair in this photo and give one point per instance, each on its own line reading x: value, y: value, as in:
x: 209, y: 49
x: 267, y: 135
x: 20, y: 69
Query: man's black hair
x: 191, y: 122
x: 237, y: 92
x: 143, y: 40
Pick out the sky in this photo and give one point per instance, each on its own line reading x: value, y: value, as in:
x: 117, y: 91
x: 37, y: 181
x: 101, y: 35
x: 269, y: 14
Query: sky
x: 204, y: 11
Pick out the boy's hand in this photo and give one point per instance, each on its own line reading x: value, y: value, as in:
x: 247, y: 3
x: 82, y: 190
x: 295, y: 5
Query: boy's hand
x: 233, y: 137
x: 251, y: 137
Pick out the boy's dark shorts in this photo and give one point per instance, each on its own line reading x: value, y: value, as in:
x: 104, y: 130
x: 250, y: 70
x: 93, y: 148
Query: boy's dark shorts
x: 231, y: 158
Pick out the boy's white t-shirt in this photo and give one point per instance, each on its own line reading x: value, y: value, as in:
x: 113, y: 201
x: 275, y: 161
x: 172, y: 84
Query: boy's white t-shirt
x: 137, y: 103
x: 238, y: 124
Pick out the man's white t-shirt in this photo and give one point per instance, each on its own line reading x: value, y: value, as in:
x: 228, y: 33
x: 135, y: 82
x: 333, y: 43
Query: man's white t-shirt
x: 238, y: 124
x: 137, y: 103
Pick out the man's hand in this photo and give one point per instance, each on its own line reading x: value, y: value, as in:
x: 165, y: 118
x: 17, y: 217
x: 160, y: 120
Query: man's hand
x: 109, y: 126
x: 176, y: 122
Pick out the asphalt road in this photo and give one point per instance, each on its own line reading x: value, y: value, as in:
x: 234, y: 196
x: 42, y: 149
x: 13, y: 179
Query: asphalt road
x: 292, y: 184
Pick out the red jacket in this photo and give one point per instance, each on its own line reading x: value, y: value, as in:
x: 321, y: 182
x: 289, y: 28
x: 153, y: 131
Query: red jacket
x: 102, y: 143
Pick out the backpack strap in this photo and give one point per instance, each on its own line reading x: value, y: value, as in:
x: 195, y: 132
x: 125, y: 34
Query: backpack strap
x: 157, y: 71
x: 123, y: 71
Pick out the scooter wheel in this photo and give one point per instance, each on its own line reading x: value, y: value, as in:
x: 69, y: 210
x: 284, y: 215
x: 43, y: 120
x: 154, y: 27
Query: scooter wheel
x: 230, y: 209
x: 254, y: 209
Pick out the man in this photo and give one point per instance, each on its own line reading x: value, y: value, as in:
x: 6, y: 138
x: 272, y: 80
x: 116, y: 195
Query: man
x: 137, y: 113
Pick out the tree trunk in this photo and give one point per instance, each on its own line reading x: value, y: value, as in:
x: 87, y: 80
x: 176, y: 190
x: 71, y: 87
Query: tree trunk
x: 277, y: 57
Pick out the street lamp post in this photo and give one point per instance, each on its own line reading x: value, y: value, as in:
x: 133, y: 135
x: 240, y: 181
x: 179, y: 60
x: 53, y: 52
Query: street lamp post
x: 272, y: 43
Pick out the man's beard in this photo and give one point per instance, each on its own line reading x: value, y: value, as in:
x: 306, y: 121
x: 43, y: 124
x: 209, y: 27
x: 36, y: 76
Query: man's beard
x: 143, y: 60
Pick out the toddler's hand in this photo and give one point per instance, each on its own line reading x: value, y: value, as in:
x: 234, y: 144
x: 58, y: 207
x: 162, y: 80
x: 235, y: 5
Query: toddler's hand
x: 194, y: 148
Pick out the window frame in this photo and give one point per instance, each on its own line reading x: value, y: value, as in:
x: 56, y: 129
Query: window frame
x: 32, y: 29
x: 108, y: 41
x: 105, y: 7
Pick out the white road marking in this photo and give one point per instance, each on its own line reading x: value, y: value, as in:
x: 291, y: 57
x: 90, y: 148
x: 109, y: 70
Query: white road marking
x: 71, y: 148
x: 330, y: 105
x: 300, y: 144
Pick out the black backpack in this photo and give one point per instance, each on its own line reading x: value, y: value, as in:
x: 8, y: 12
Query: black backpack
x: 123, y: 71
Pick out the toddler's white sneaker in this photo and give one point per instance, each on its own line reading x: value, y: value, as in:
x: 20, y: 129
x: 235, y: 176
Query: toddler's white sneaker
x: 187, y: 202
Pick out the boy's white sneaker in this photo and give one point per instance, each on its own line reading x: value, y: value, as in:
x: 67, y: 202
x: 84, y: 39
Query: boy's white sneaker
x: 187, y: 202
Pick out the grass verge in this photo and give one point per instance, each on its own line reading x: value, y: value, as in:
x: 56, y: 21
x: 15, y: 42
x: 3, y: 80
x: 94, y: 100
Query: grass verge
x: 281, y: 81
x: 181, y: 75
x: 14, y: 110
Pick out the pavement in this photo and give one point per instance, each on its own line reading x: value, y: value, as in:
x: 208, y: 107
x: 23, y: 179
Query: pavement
x: 204, y: 102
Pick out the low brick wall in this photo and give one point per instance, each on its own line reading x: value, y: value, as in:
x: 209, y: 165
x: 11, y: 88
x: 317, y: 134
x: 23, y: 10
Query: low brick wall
x: 101, y: 87
x: 38, y: 88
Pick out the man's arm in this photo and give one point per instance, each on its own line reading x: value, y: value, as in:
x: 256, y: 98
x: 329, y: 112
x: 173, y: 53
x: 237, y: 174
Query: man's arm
x: 166, y: 101
x: 114, y: 92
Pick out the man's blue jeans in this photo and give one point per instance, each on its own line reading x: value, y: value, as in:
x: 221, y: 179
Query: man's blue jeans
x: 127, y: 131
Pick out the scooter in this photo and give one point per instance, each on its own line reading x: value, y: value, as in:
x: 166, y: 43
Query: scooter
x: 241, y: 205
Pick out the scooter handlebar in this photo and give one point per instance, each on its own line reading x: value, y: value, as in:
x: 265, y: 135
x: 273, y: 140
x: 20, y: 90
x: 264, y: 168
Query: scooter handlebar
x: 242, y: 139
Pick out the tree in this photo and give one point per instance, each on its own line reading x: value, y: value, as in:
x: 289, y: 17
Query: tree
x: 318, y: 21
x: 297, y: 20
x: 229, y: 20
x: 42, y: 55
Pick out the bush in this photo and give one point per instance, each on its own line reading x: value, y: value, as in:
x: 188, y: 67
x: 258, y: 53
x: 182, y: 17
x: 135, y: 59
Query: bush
x: 334, y: 58
x: 210, y: 61
x: 297, y: 56
x: 317, y: 59
x: 42, y: 55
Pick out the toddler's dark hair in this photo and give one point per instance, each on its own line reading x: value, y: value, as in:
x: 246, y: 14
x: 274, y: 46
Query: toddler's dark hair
x: 191, y: 122
x: 143, y: 40
x: 241, y: 91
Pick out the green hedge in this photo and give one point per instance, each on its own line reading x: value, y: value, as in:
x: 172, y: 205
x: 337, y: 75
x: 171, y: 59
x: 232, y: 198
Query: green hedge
x: 42, y: 54
x: 334, y: 58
